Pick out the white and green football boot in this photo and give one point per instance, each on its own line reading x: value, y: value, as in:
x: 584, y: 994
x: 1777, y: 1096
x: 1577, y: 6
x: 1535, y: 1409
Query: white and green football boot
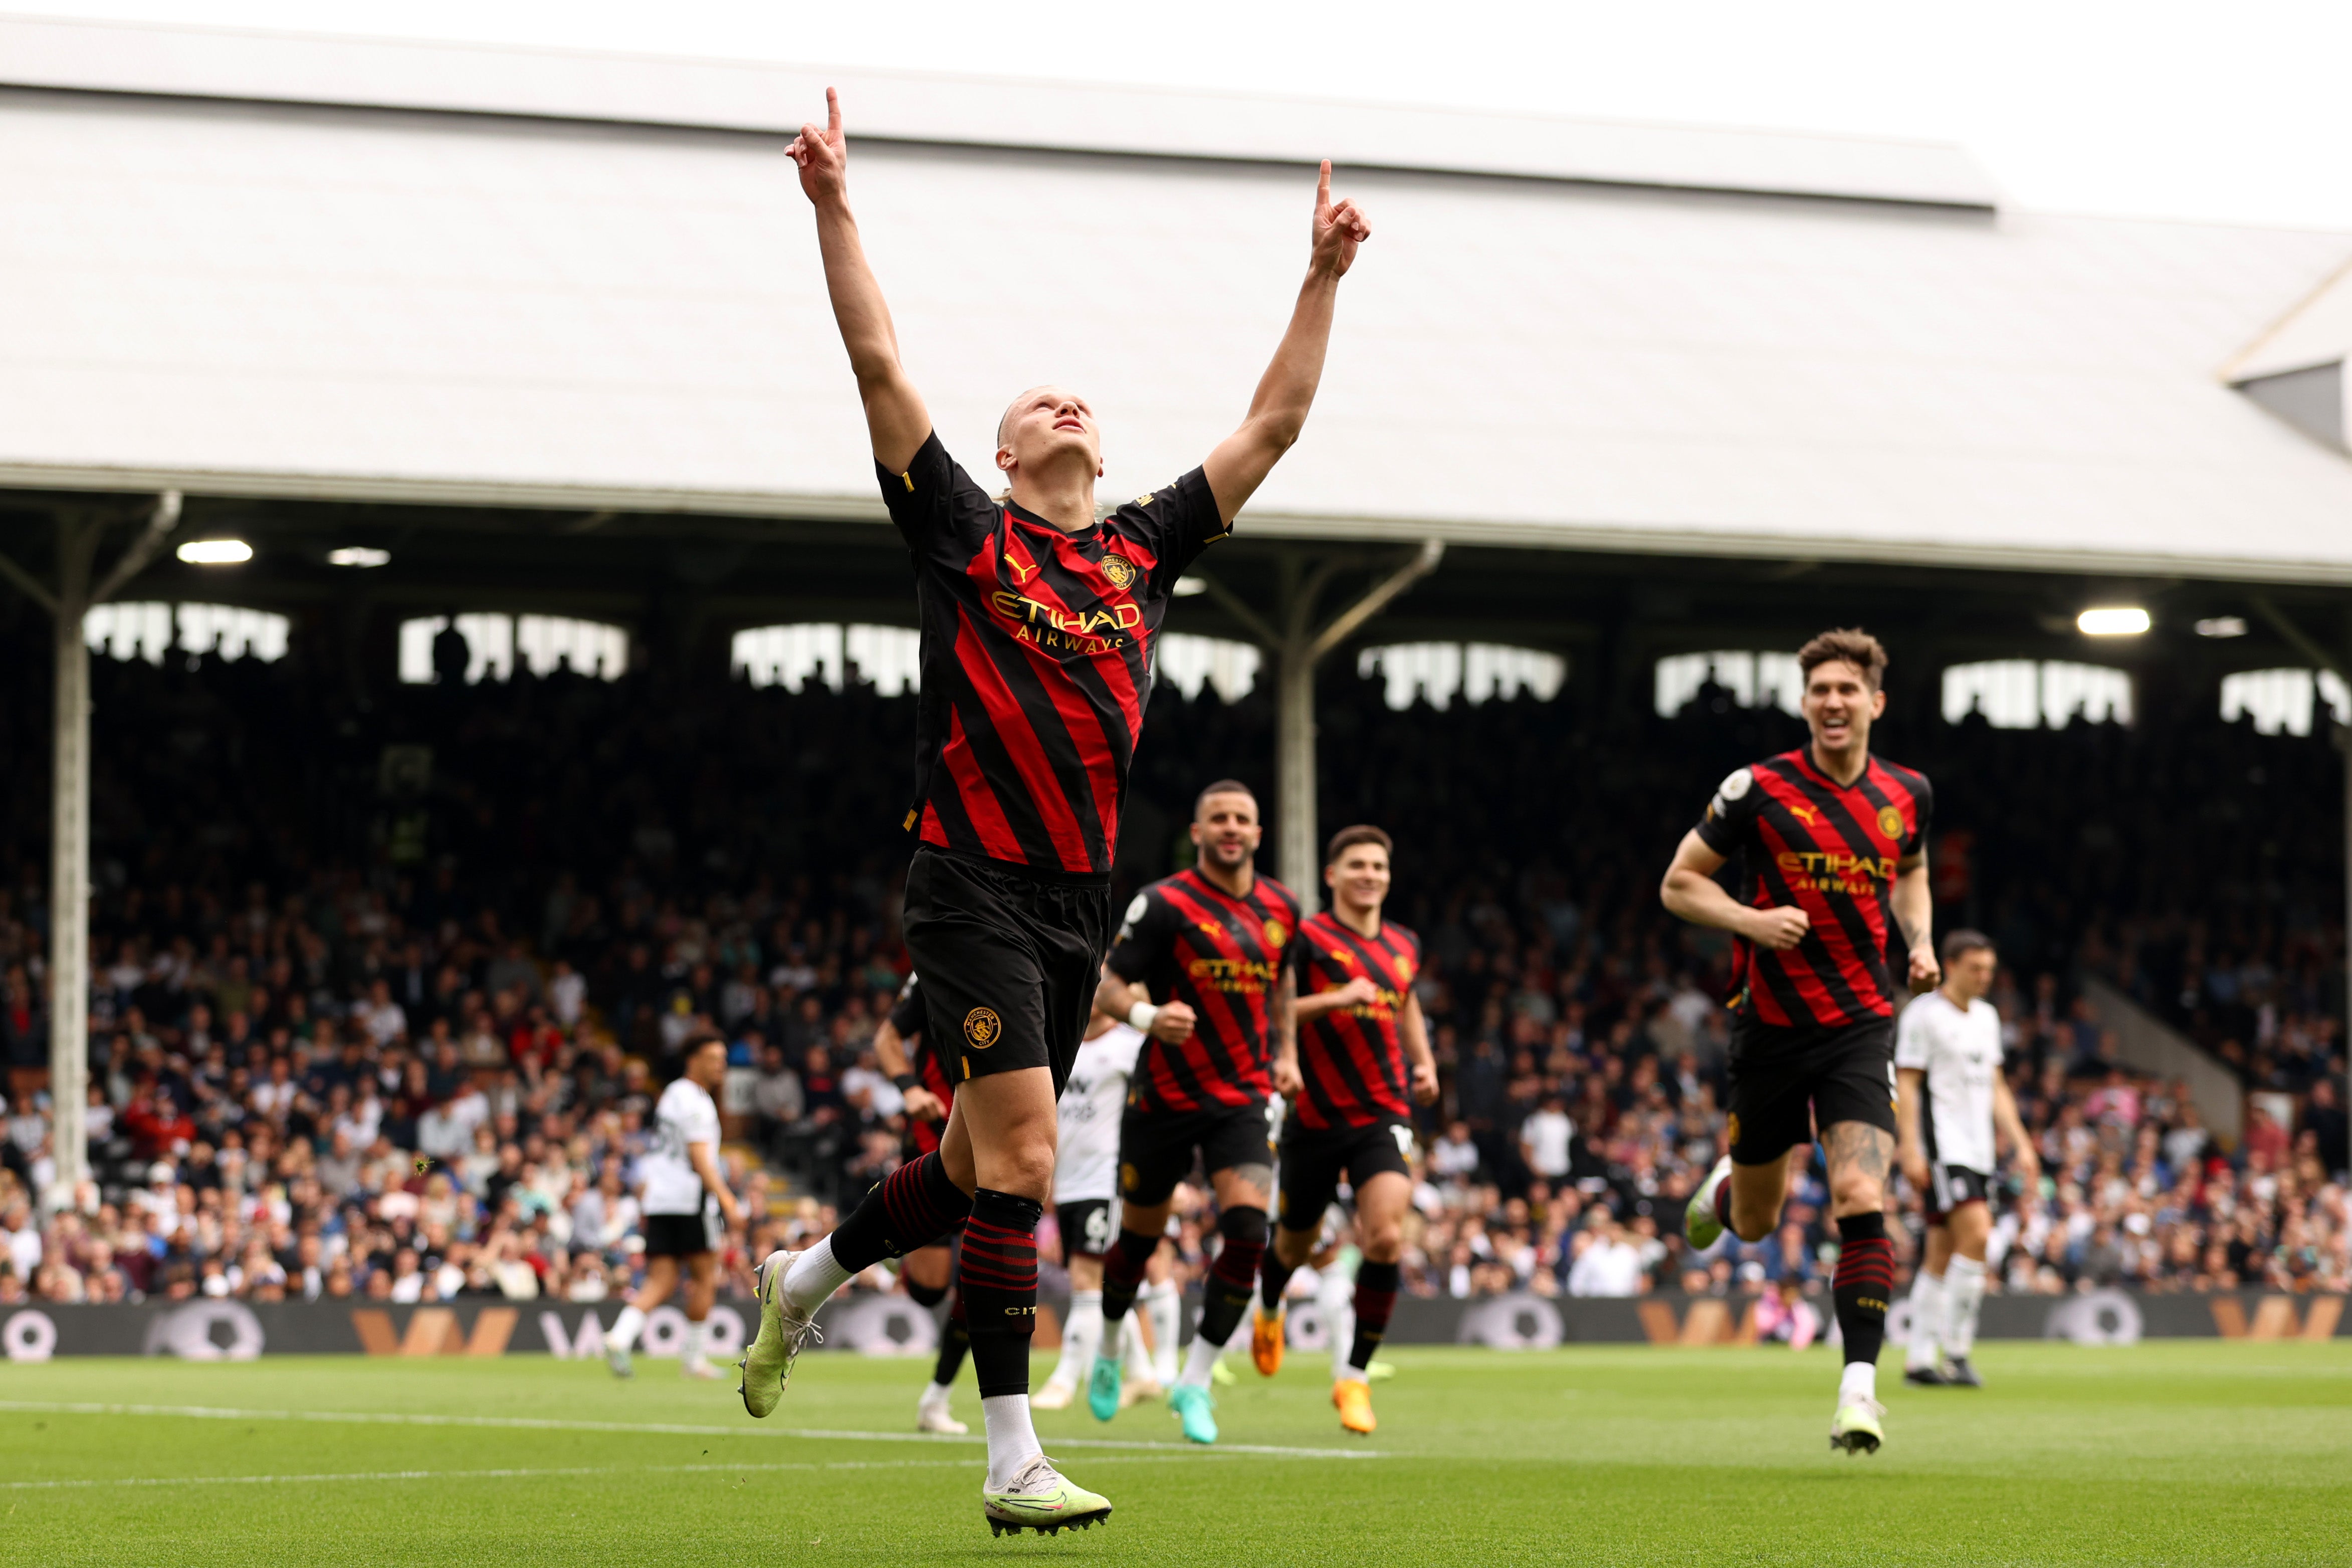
x: 767, y: 1365
x: 1040, y: 1499
x: 1856, y: 1429
x: 1700, y: 1227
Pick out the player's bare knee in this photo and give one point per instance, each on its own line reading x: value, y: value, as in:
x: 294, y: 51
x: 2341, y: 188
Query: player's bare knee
x: 1384, y: 1243
x: 1856, y: 1192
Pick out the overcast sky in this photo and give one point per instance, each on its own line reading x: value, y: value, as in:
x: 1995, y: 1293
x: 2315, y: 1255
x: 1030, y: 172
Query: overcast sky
x: 2230, y: 111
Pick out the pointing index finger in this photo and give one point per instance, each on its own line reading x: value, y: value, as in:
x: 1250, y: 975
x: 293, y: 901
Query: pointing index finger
x: 1323, y: 185
x: 832, y: 112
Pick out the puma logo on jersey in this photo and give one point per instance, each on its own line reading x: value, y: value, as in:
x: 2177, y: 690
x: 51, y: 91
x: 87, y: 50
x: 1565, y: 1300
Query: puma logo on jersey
x: 1806, y: 815
x: 1020, y: 573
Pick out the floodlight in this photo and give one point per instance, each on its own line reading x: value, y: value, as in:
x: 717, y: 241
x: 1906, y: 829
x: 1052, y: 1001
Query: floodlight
x: 359, y: 554
x: 2114, y: 620
x: 216, y: 552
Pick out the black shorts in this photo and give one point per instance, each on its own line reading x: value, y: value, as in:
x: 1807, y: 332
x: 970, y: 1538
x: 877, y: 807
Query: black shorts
x: 1155, y: 1147
x: 1008, y: 963
x: 1787, y: 1081
x: 1089, y: 1228
x: 1314, y: 1160
x: 677, y: 1235
x: 1953, y: 1186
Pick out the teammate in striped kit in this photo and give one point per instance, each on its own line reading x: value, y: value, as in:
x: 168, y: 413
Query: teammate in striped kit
x: 1361, y: 1057
x: 1038, y: 619
x: 1203, y: 968
x: 1835, y: 849
x: 1951, y: 1100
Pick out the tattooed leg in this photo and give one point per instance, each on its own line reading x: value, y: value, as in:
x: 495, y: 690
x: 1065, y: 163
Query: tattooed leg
x: 1860, y: 1158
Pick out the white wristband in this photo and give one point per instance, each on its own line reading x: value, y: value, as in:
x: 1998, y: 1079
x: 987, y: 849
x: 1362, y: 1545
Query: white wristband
x: 1140, y: 1015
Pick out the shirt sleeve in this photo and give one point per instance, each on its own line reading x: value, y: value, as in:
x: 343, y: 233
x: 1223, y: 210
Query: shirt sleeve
x: 907, y: 1012
x: 1142, y: 933
x: 1924, y: 810
x: 1730, y: 816
x: 934, y: 502
x: 1912, y: 1044
x: 1178, y: 522
x: 702, y: 1127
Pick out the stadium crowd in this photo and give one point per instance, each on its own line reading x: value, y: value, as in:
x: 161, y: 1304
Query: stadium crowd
x: 385, y: 988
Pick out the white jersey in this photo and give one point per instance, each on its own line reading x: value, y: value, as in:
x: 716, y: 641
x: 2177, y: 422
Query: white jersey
x: 684, y: 1115
x: 1086, y: 1165
x: 1960, y: 1053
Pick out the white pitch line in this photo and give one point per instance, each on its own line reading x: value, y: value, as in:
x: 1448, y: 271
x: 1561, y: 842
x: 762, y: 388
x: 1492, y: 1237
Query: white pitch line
x: 509, y: 1473
x: 550, y: 1424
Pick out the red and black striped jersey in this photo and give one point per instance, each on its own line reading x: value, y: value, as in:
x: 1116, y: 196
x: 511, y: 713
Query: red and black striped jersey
x: 1352, y: 1058
x: 1833, y: 851
x: 1035, y: 660
x: 1187, y: 940
x: 906, y: 1016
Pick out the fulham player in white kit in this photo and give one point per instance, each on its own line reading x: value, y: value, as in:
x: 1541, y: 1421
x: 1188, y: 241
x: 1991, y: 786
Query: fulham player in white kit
x: 1950, y: 1097
x: 684, y: 1199
x: 1086, y: 1204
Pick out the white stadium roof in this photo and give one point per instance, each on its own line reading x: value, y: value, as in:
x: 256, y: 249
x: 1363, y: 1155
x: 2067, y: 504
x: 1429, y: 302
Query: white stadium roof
x: 266, y: 265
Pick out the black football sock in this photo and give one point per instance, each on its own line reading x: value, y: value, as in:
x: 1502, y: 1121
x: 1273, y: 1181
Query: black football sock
x: 1123, y: 1268
x: 998, y: 1282
x: 1864, y: 1284
x: 913, y: 1207
x: 955, y: 1340
x: 1274, y: 1277
x: 1376, y: 1294
x: 1226, y: 1291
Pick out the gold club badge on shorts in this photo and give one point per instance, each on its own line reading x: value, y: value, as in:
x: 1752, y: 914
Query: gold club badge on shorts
x: 983, y: 1027
x: 1731, y: 1130
x: 1120, y: 569
x: 1890, y: 821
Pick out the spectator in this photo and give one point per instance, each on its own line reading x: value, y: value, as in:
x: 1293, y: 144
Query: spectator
x: 1609, y: 1264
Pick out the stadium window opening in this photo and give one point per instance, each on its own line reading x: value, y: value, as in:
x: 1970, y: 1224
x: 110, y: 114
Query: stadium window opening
x: 2027, y: 694
x: 888, y: 658
x: 1728, y: 678
x: 1474, y: 672
x: 490, y: 643
x: 2283, y: 701
x: 150, y: 631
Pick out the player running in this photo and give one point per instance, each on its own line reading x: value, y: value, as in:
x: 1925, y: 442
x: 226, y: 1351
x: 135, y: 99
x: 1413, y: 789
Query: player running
x: 684, y: 1200
x: 1212, y: 944
x: 1948, y: 1054
x: 1834, y: 843
x: 1085, y: 1208
x: 1361, y: 1056
x: 1038, y: 620
x: 928, y: 1272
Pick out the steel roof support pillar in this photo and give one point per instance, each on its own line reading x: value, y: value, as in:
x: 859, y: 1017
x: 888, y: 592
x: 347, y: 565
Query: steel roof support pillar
x: 68, y: 603
x: 1295, y: 646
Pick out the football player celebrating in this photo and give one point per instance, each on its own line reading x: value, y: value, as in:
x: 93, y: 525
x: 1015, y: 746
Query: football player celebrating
x: 1834, y: 847
x: 1360, y: 1059
x: 1039, y: 620
x: 1202, y: 968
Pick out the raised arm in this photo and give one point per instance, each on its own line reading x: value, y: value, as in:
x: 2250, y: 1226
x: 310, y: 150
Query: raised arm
x: 1278, y: 412
x: 896, y: 420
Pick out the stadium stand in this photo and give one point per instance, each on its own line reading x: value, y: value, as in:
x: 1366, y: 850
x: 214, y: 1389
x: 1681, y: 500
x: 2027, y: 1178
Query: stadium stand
x: 383, y: 1017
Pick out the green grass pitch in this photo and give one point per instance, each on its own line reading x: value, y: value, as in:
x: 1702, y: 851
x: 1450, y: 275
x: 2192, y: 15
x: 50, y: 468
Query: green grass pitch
x: 2184, y: 1452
